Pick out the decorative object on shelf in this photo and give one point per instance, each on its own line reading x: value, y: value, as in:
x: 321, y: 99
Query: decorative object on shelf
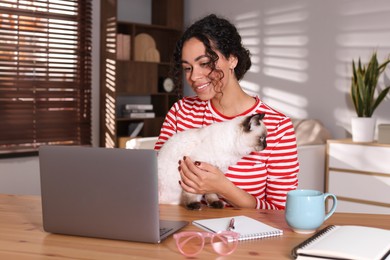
x: 166, y: 85
x: 135, y: 128
x: 363, y: 87
x: 152, y: 55
x: 145, y: 48
x: 363, y: 129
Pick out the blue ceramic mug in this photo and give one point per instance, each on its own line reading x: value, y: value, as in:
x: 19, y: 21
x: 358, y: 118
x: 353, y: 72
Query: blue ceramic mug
x: 305, y: 210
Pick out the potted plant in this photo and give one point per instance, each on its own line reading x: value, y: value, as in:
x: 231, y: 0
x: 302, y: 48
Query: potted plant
x: 364, y: 87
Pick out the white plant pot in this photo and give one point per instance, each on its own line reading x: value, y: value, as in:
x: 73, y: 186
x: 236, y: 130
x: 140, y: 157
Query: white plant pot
x: 363, y: 129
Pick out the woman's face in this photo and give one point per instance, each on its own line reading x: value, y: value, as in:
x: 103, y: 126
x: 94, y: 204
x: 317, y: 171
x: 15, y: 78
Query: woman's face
x: 196, y: 68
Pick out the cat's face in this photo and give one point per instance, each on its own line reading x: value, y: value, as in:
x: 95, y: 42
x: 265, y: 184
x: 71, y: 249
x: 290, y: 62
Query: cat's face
x: 254, y: 132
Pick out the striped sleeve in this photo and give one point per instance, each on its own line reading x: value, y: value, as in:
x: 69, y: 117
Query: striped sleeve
x: 282, y: 165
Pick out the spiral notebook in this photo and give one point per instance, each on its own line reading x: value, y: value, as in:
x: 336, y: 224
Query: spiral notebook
x: 345, y: 242
x: 247, y: 227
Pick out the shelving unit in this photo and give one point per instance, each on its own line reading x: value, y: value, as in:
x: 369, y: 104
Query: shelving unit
x: 134, y: 81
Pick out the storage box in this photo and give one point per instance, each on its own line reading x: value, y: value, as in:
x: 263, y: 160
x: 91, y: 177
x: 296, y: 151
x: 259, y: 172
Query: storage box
x: 384, y: 133
x: 122, y: 141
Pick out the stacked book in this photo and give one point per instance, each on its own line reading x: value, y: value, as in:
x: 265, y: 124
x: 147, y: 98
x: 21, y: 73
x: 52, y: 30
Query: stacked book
x: 123, y: 46
x: 138, y: 111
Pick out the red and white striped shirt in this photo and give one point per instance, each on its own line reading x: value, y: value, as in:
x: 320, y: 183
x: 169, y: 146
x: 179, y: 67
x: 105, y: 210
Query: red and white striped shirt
x: 267, y: 175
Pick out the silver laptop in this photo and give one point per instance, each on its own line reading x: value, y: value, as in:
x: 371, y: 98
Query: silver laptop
x: 103, y: 193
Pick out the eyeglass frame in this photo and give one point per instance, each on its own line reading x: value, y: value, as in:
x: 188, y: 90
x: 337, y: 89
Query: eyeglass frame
x: 204, y: 235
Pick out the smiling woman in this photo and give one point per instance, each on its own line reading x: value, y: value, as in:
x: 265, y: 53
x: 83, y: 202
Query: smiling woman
x: 45, y: 66
x: 214, y: 60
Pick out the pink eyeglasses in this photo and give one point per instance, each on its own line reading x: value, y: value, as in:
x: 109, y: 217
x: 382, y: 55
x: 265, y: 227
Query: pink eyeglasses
x: 191, y: 243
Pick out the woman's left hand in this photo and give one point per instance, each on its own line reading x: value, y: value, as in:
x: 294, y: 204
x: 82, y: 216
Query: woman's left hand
x: 200, y: 177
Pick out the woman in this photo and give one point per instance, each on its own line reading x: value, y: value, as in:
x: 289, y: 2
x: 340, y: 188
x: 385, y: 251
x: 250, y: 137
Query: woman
x: 213, y: 59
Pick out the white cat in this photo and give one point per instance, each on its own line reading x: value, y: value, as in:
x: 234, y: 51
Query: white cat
x: 220, y: 144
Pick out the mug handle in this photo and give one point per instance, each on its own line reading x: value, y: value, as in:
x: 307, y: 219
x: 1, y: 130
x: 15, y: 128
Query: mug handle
x: 332, y: 210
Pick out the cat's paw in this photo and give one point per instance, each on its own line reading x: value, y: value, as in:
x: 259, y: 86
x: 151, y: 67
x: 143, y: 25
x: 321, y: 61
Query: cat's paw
x: 194, y: 205
x: 216, y: 204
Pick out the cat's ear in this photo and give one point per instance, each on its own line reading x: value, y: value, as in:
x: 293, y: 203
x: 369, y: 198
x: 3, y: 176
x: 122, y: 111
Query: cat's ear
x: 252, y: 121
x: 258, y: 116
x: 255, y: 120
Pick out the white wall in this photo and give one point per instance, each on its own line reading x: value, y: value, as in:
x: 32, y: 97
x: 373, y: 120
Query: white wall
x: 302, y: 51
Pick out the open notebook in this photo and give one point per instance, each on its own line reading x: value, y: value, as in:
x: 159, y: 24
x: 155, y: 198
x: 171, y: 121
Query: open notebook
x: 247, y: 227
x: 345, y: 242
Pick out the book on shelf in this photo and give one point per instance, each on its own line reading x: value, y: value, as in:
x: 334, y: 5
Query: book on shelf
x: 138, y: 111
x: 247, y: 227
x: 139, y: 115
x: 345, y: 242
x: 123, y: 46
x: 138, y: 107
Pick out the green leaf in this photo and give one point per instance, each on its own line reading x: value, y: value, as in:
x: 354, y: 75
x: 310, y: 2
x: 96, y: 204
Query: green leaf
x: 354, y: 95
x: 380, y: 98
x: 354, y: 71
x: 382, y: 67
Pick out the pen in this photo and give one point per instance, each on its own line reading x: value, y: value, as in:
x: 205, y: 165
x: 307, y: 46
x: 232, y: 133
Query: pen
x: 231, y: 225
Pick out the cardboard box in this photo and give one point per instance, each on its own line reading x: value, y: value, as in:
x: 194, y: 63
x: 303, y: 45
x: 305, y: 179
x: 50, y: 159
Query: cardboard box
x: 384, y: 133
x: 122, y: 141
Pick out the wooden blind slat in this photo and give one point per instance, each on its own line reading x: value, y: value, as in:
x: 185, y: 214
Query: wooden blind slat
x: 45, y: 67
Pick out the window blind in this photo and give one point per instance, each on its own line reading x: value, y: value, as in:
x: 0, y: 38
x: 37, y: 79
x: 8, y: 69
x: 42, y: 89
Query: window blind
x: 45, y: 74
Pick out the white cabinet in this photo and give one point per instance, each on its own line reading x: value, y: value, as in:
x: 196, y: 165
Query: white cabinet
x: 359, y: 175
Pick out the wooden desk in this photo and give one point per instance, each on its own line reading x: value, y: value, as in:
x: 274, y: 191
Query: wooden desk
x: 22, y: 236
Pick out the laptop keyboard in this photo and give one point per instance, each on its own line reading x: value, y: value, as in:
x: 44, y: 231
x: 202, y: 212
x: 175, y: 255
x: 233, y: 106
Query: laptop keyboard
x: 164, y: 230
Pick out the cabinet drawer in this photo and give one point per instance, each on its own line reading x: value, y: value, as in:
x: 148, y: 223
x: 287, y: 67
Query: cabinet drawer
x: 353, y: 207
x: 360, y: 186
x: 359, y: 157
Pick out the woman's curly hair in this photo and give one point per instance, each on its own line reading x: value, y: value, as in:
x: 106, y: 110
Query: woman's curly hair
x: 218, y: 33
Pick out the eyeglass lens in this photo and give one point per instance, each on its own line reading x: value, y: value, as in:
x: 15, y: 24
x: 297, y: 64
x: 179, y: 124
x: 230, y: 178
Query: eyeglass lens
x: 192, y: 244
x: 224, y: 244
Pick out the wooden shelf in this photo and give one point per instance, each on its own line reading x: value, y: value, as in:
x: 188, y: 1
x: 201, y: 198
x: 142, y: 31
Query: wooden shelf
x: 133, y: 78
